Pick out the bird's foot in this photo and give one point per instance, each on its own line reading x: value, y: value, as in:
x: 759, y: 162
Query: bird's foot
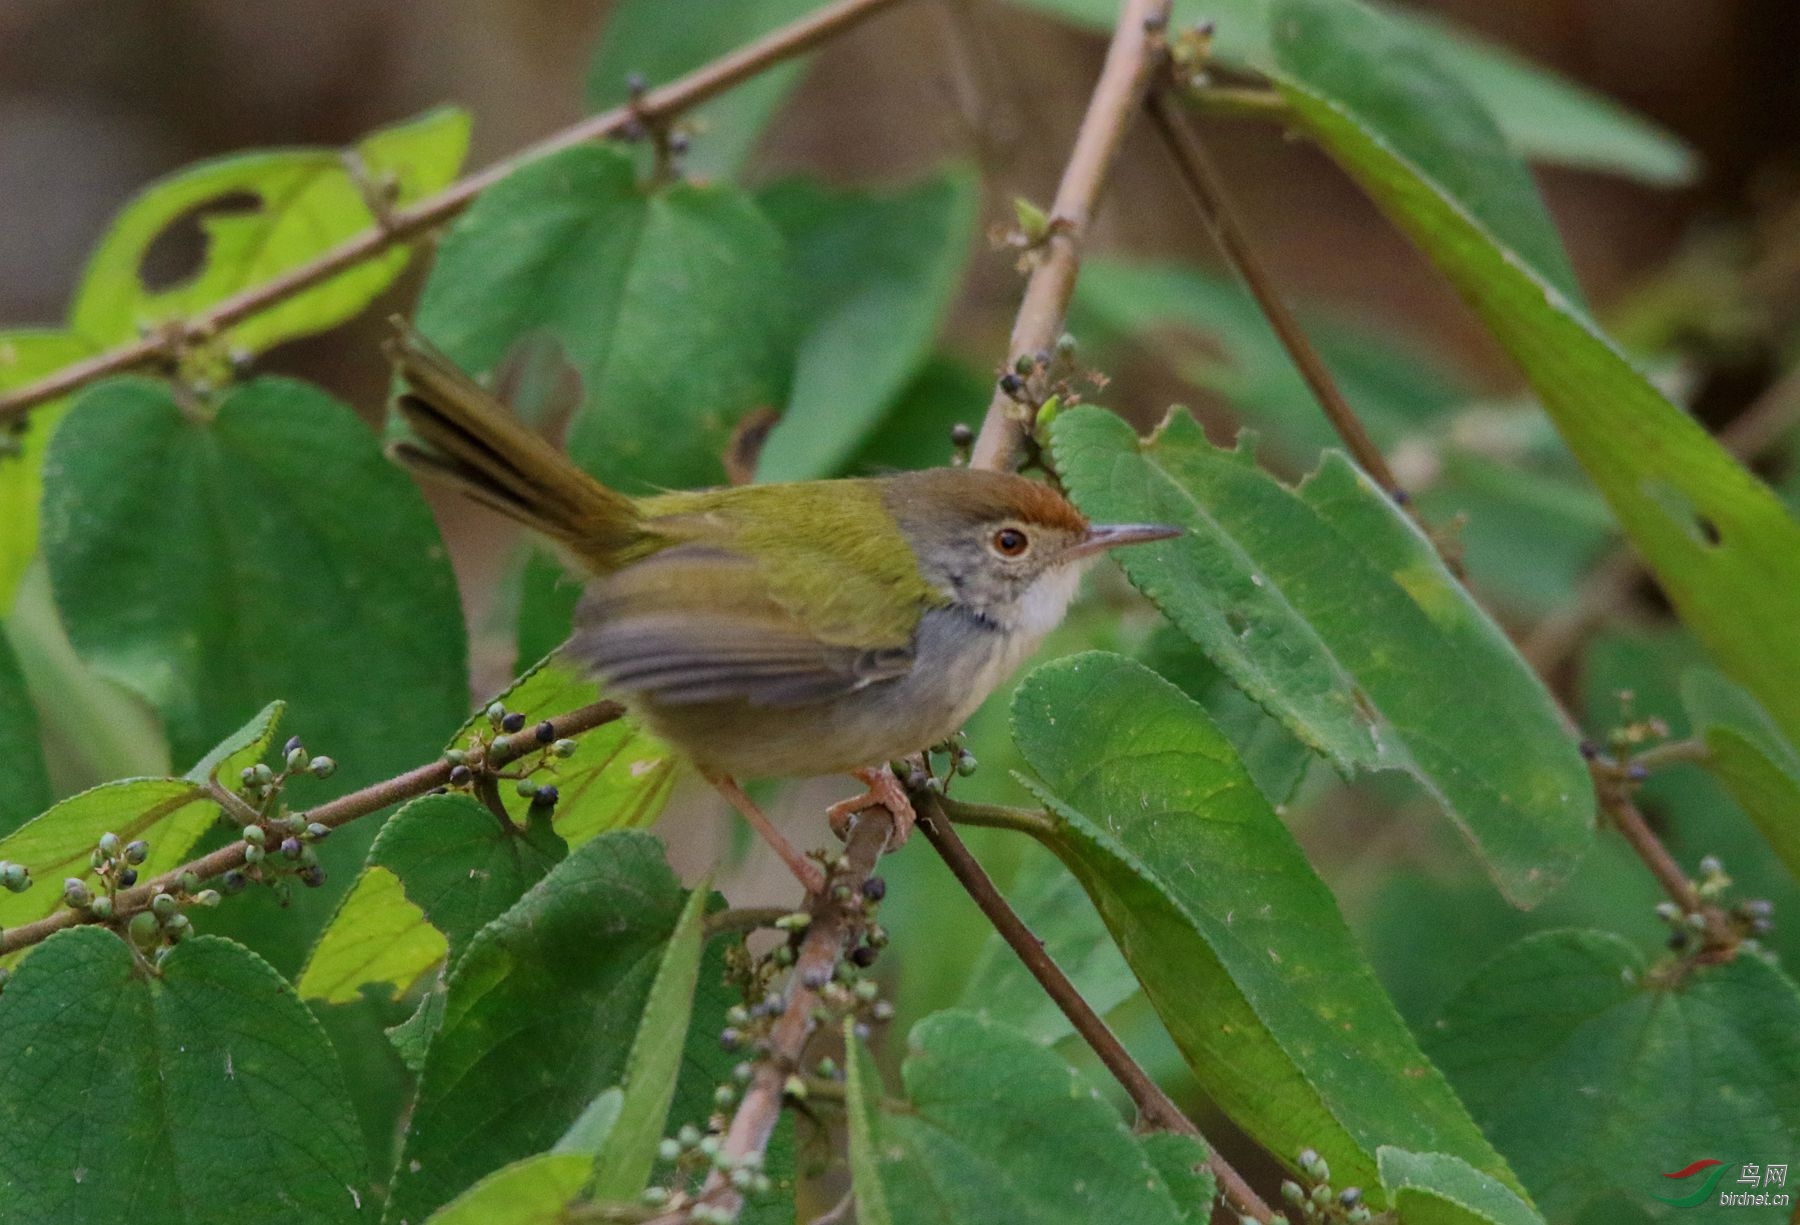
x: 805, y: 870
x: 884, y: 791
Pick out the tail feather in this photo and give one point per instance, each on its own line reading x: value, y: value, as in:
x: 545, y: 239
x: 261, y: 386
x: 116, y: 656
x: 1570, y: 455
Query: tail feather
x: 469, y: 439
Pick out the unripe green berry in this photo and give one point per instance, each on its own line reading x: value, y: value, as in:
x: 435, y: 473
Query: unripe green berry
x: 669, y: 1150
x: 743, y: 1072
x: 724, y: 1096
x: 14, y: 877
x: 794, y: 921
x: 261, y: 774
x: 564, y: 748
x: 495, y: 713
x: 323, y: 767
x: 456, y: 757
x: 655, y: 1197
x: 688, y: 1136
x: 164, y: 905
x: 1292, y: 1191
x: 794, y: 1087
x: 737, y: 1014
x: 318, y: 832
x: 110, y: 846
x: 101, y: 908
x: 760, y: 1185
x: 967, y: 765
x: 743, y: 1179
x: 137, y: 851
x: 253, y: 853
x: 526, y: 788
x: 179, y: 928
x: 255, y: 835
x: 208, y: 897
x: 144, y: 929
x: 708, y: 1146
x: 297, y: 758
x: 75, y: 892
x: 190, y: 882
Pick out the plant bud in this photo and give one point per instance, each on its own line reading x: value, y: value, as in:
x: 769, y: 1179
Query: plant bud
x: 144, y: 929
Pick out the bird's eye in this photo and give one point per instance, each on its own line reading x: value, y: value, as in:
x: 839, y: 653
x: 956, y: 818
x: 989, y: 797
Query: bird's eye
x: 1010, y: 542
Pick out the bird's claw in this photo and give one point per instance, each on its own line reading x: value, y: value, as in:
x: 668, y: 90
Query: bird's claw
x: 884, y: 791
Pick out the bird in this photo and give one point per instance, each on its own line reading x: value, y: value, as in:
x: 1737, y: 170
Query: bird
x: 786, y: 630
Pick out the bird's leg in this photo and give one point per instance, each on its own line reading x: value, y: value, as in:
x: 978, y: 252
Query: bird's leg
x: 808, y: 872
x: 884, y: 790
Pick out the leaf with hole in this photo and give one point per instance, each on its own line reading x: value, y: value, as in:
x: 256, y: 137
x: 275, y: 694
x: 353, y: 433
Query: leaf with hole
x: 258, y: 216
x: 673, y: 302
x: 201, y: 1094
x: 880, y: 272
x: 1246, y: 959
x: 996, y: 1128
x: 1719, y: 542
x: 1597, y: 1073
x: 1328, y: 607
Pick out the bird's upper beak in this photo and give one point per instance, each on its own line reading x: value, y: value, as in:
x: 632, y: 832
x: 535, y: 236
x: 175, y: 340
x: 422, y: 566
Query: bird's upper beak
x: 1110, y: 535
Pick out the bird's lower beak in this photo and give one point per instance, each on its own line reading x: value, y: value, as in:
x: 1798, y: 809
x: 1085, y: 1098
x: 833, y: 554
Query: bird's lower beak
x: 1111, y: 535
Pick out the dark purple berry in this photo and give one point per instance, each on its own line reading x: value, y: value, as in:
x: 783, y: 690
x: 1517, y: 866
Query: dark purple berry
x: 127, y: 877
x: 293, y: 743
x: 290, y: 847
x: 512, y: 722
x: 862, y: 956
x: 233, y: 881
x: 874, y: 888
x: 460, y: 775
x: 546, y: 732
x: 1011, y: 383
x: 312, y: 877
x: 545, y: 797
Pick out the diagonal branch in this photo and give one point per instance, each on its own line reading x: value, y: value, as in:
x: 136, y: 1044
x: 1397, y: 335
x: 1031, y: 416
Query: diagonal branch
x: 1153, y: 1105
x: 333, y: 813
x: 401, y: 225
x: 1131, y: 63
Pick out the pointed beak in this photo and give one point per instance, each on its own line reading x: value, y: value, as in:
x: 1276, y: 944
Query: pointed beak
x: 1110, y: 535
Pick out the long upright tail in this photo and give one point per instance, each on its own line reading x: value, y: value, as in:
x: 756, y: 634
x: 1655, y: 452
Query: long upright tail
x: 469, y: 439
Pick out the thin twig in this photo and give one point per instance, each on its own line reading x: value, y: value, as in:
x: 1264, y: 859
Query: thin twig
x: 837, y: 915
x: 333, y: 813
x: 1132, y: 60
x: 1208, y: 194
x: 403, y: 224
x: 1721, y: 939
x: 1152, y: 1103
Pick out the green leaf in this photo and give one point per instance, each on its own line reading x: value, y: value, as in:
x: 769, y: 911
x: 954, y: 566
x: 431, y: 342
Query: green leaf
x: 538, y: 1018
x: 1324, y: 604
x: 206, y: 565
x: 1596, y: 1073
x: 1719, y: 542
x: 169, y: 813
x: 530, y: 1191
x: 915, y: 432
x: 262, y: 215
x: 862, y: 1103
x: 662, y: 39
x: 672, y: 303
x: 244, y: 747
x: 25, y: 356
x: 24, y: 783
x: 1545, y: 116
x: 1182, y: 1163
x: 623, y: 1163
x: 1248, y: 963
x: 1746, y: 752
x: 880, y: 273
x: 996, y: 1128
x: 618, y: 778
x: 202, y: 1093
x: 1438, y: 1189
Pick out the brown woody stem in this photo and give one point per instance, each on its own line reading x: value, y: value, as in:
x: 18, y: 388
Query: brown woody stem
x: 1132, y: 60
x: 333, y: 813
x: 1154, y: 1106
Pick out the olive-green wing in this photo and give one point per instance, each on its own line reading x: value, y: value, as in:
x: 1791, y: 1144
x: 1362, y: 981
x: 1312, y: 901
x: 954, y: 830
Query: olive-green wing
x: 696, y: 623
